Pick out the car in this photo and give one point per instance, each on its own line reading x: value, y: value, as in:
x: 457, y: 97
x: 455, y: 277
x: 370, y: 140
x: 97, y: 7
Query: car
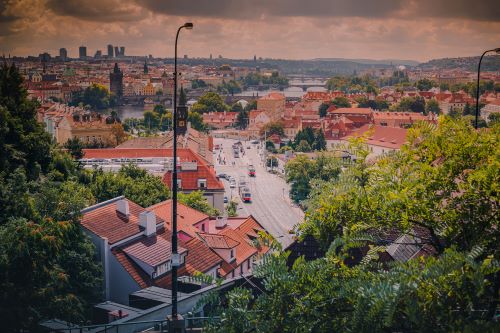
x: 232, y: 184
x: 225, y: 200
x: 255, y: 142
x: 222, y: 175
x: 248, y: 147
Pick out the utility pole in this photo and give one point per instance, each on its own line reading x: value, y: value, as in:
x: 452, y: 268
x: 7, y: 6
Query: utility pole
x: 176, y: 322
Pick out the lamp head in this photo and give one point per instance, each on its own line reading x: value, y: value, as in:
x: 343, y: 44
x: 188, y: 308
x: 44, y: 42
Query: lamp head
x: 188, y: 25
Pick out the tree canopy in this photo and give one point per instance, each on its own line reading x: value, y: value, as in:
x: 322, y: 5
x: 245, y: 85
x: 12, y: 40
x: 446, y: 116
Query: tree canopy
x: 210, y: 102
x: 444, y: 181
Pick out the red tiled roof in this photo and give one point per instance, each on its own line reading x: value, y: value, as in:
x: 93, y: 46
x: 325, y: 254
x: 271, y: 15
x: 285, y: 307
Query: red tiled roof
x: 389, y: 137
x: 189, y: 179
x: 243, y: 251
x: 200, y: 258
x: 274, y: 96
x: 106, y: 222
x: 366, y: 111
x: 152, y: 250
x: 184, y: 154
x: 216, y: 241
x: 187, y: 217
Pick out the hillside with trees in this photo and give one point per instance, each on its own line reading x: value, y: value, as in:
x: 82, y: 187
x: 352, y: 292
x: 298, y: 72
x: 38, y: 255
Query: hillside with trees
x: 439, y: 193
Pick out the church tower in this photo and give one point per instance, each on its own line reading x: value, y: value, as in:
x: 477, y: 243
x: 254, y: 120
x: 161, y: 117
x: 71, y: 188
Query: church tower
x: 116, y: 81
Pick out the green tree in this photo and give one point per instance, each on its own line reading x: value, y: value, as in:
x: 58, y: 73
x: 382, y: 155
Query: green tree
x: 151, y: 120
x: 341, y: 102
x: 303, y: 146
x: 322, y: 109
x: 196, y: 121
x: 132, y: 182
x: 160, y: 109
x: 444, y: 184
x: 75, y: 148
x: 197, y: 83
x: 197, y: 201
x: 242, y: 119
x: 432, y: 106
x: 319, y: 140
x: 210, y: 102
x: 444, y: 86
x: 23, y: 141
x: 273, y: 127
x: 96, y: 96
x: 232, y: 209
x: 425, y: 84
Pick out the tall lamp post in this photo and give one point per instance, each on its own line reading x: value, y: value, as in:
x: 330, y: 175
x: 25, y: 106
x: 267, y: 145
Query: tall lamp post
x: 497, y: 50
x: 175, y: 256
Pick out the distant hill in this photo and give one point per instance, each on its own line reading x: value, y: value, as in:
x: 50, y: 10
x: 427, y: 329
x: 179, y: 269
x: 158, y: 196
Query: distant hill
x: 394, y: 62
x: 490, y: 63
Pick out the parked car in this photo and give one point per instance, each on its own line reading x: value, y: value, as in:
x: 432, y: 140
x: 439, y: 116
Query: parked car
x: 225, y: 200
x: 255, y: 142
x: 222, y: 175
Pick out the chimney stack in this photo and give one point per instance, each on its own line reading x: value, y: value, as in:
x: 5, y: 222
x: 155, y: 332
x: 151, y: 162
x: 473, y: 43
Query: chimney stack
x: 147, y: 220
x: 221, y: 222
x: 122, y: 207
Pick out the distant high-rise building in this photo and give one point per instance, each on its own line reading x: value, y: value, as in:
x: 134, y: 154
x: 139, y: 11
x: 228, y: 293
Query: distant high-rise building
x: 82, y: 52
x: 210, y: 56
x: 254, y: 58
x: 122, y: 51
x: 117, y: 51
x: 110, y: 51
x: 185, y: 56
x: 116, y: 81
x: 98, y: 54
x: 146, y: 70
x: 63, y: 54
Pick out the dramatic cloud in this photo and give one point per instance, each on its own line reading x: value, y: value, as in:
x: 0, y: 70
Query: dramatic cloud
x: 295, y: 29
x: 98, y: 10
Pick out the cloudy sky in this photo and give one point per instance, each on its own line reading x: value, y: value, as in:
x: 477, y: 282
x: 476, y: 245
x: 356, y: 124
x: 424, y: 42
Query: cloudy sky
x: 293, y: 29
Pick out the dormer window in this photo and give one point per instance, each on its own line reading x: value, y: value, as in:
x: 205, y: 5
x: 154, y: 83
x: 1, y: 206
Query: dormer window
x: 231, y: 255
x: 161, y: 269
x: 202, y: 183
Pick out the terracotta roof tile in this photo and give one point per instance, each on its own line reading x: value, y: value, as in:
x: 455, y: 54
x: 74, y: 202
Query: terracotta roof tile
x: 106, y: 222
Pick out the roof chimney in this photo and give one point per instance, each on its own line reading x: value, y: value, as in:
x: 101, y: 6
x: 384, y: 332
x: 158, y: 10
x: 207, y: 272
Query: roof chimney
x: 147, y: 220
x: 122, y: 207
x: 221, y: 222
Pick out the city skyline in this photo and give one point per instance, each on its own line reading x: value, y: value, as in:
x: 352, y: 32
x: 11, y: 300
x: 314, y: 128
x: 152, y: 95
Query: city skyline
x: 399, y: 29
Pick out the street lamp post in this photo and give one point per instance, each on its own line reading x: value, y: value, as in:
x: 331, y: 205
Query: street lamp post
x: 497, y: 50
x: 175, y: 255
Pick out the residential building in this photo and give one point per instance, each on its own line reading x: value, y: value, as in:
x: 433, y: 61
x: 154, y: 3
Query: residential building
x: 86, y: 127
x: 273, y: 104
x: 82, y: 52
x: 134, y: 246
x: 379, y: 139
x: 492, y: 107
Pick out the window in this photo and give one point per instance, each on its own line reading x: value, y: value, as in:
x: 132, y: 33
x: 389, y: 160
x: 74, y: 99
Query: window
x: 203, y: 227
x: 248, y: 264
x: 232, y: 274
x: 231, y: 255
x: 161, y: 269
x: 202, y: 183
x: 241, y: 269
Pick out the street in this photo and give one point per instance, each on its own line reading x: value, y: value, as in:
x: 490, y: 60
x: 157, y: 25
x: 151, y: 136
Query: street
x: 270, y: 205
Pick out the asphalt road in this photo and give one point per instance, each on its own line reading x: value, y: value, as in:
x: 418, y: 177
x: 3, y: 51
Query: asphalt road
x: 270, y: 205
